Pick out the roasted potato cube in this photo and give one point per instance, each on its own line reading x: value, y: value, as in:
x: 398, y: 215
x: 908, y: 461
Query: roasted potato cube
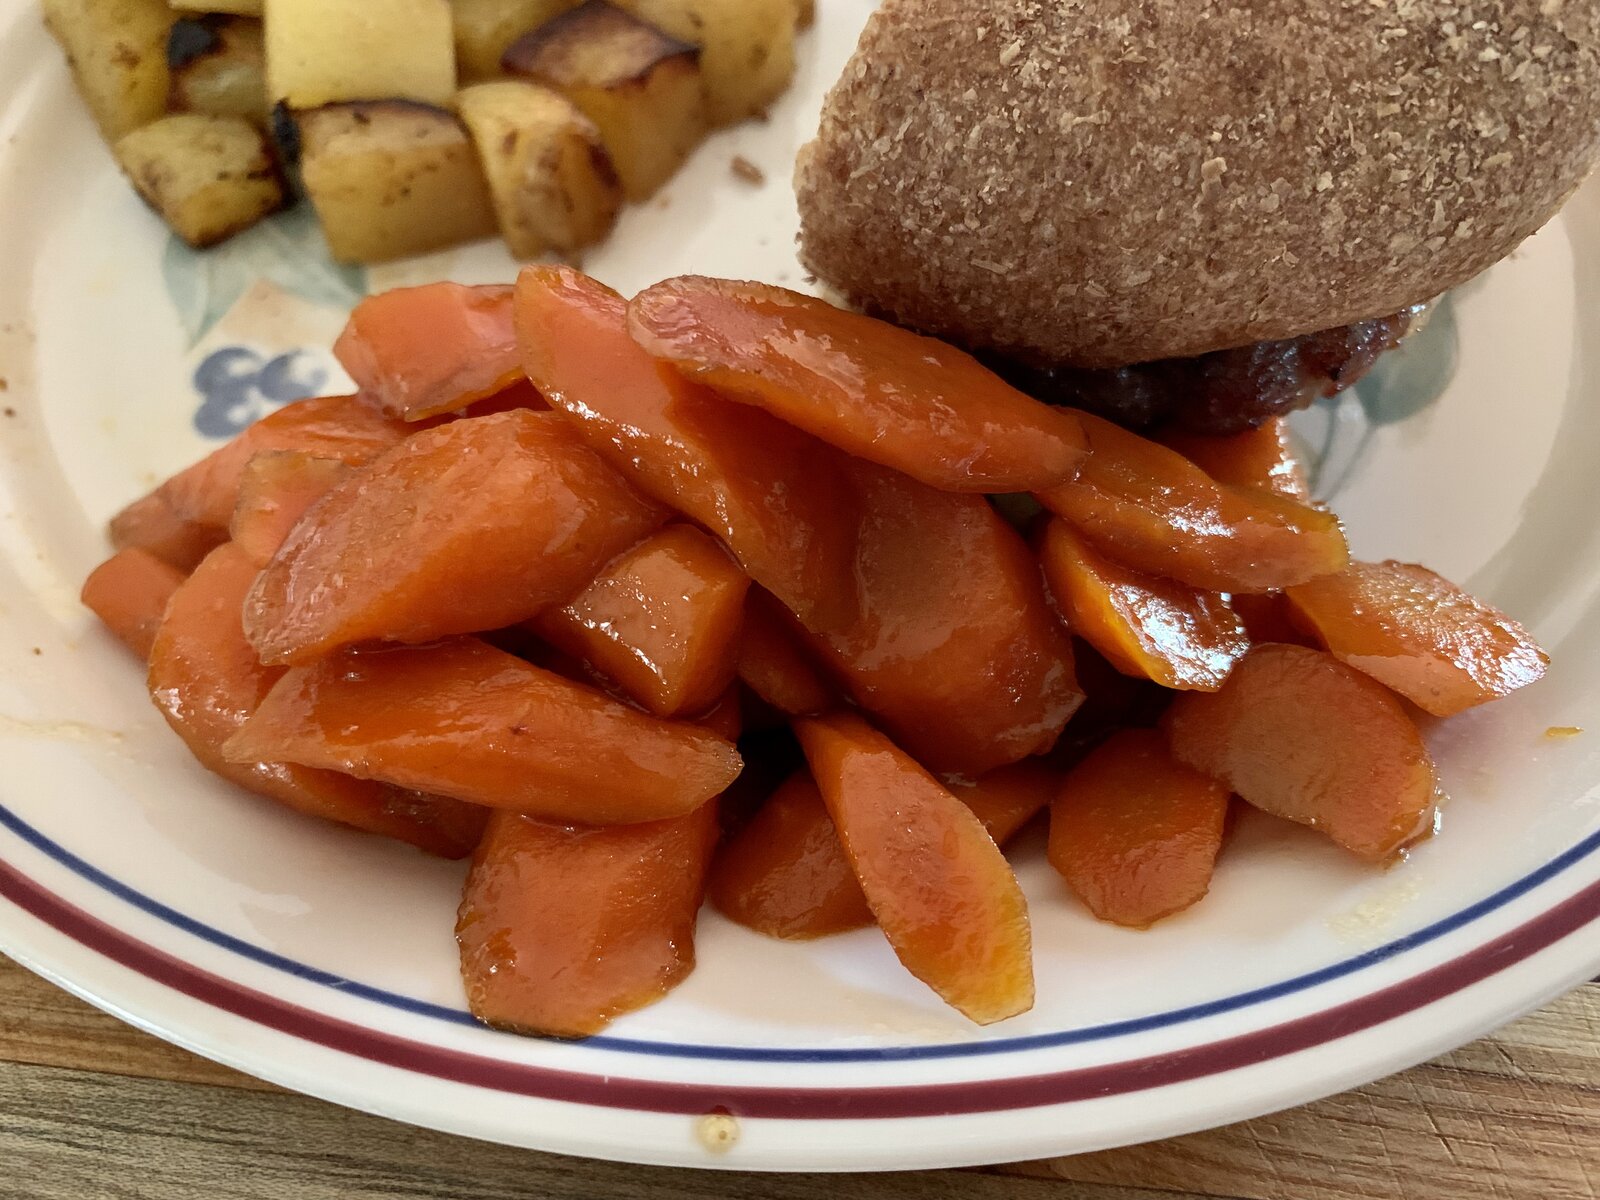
x: 390, y: 178
x: 553, y: 183
x: 208, y: 177
x: 746, y: 48
x: 218, y: 67
x: 117, y: 50
x: 484, y: 28
x: 641, y: 87
x: 243, y: 8
x: 322, y: 51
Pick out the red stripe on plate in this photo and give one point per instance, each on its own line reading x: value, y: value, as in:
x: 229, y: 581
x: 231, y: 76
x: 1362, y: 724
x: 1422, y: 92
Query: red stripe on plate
x: 931, y: 1100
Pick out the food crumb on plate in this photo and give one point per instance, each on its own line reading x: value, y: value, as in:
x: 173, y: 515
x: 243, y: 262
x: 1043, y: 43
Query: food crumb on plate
x: 1560, y: 732
x: 746, y: 170
x: 718, y: 1131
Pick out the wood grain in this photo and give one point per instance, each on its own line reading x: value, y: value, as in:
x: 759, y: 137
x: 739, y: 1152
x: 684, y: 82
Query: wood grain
x: 92, y: 1108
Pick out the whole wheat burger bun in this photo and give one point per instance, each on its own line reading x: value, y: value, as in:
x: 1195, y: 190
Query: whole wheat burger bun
x: 1104, y: 182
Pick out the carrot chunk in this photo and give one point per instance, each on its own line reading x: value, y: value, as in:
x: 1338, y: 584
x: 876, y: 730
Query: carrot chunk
x: 661, y: 621
x: 464, y: 719
x: 957, y: 650
x: 341, y: 427
x: 1134, y: 832
x: 773, y: 662
x: 1420, y: 635
x: 206, y: 681
x: 276, y: 489
x: 870, y: 388
x: 421, y: 351
x: 1157, y: 629
x: 129, y: 593
x: 149, y: 524
x: 770, y: 492
x: 1151, y: 509
x: 1267, y: 618
x: 563, y: 928
x: 938, y: 885
x: 1297, y: 733
x: 785, y: 874
x: 471, y: 526
x: 1262, y: 457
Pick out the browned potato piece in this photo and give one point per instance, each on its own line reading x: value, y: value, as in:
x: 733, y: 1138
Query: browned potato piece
x: 641, y: 87
x: 805, y: 13
x: 746, y: 48
x: 553, y: 184
x: 208, y: 177
x: 321, y: 51
x: 484, y: 28
x: 218, y: 67
x: 390, y: 178
x: 117, y: 50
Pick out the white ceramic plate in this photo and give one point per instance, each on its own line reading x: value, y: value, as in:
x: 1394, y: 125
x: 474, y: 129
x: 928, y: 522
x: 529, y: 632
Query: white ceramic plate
x: 323, y: 959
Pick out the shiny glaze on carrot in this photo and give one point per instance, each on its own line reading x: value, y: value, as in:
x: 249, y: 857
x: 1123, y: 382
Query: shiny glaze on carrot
x: 870, y: 388
x: 461, y: 718
x: 276, y: 489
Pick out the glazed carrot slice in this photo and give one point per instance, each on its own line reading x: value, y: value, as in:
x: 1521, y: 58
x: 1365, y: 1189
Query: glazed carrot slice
x: 725, y: 717
x: 1150, y: 508
x: 773, y: 662
x: 563, y: 928
x: 938, y: 885
x: 464, y: 719
x: 1297, y: 733
x: 276, y: 489
x: 206, y: 681
x: 1134, y: 832
x: 1420, y: 635
x: 474, y: 525
x: 785, y: 874
x: 1176, y: 635
x: 1262, y: 457
x: 662, y: 621
x: 870, y: 388
x: 957, y: 650
x: 770, y: 492
x: 341, y: 427
x: 129, y: 593
x: 149, y: 524
x: 420, y: 351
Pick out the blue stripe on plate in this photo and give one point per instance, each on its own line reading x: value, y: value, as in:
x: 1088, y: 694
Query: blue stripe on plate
x: 1091, y: 1033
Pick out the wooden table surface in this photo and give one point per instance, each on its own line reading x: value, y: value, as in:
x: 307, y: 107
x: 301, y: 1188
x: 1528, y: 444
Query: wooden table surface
x: 91, y: 1108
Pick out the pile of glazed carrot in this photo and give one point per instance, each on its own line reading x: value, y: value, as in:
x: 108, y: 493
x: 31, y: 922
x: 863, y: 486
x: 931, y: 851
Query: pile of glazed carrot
x: 710, y: 592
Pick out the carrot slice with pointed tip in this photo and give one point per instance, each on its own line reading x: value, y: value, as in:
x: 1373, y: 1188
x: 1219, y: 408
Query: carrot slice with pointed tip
x: 276, y: 489
x: 785, y: 874
x: 1134, y: 832
x: 938, y: 885
x: 661, y: 620
x: 1151, y: 509
x: 1178, y: 636
x: 770, y: 492
x: 1420, y: 635
x: 472, y: 526
x: 129, y: 593
x: 206, y: 681
x: 564, y: 928
x: 464, y: 719
x: 422, y: 351
x: 1299, y: 734
x: 872, y: 389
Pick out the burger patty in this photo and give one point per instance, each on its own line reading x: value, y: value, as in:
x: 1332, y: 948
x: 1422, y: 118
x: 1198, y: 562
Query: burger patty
x: 1226, y: 391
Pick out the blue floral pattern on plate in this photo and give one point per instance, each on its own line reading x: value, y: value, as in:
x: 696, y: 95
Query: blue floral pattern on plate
x: 238, y: 385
